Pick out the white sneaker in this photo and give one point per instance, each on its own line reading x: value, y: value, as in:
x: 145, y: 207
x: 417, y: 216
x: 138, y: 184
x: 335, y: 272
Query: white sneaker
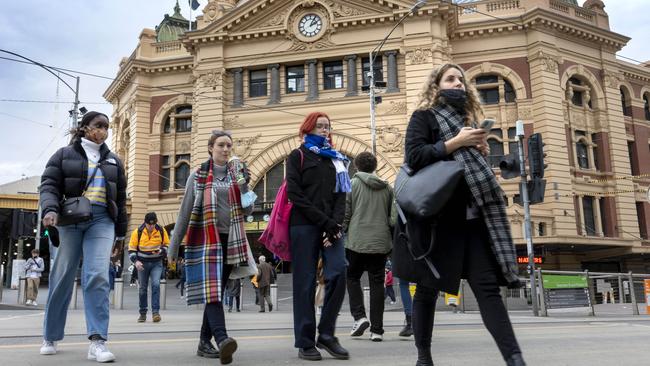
x: 98, y: 351
x: 393, y: 302
x: 28, y: 302
x: 376, y: 337
x: 34, y: 303
x: 359, y: 327
x: 48, y: 348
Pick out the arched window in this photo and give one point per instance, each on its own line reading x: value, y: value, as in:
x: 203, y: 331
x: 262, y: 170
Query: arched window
x: 646, y: 106
x: 494, y: 89
x: 582, y: 150
x: 495, y: 141
x: 625, y: 102
x: 183, y: 118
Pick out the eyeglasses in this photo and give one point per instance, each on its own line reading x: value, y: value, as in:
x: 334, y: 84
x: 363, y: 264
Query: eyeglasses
x: 322, y: 126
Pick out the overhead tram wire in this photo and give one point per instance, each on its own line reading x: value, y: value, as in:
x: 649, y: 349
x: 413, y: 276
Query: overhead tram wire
x: 45, y: 101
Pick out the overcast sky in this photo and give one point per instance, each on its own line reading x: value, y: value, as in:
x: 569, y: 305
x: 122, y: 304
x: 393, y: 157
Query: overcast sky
x: 92, y: 37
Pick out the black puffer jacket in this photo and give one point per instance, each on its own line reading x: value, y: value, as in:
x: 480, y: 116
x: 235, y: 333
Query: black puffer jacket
x: 66, y: 174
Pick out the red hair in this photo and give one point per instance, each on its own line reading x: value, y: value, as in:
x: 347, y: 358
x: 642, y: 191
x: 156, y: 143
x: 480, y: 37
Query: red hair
x: 309, y: 124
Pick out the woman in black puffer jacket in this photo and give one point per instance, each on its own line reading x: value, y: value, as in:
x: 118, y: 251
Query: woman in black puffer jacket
x: 86, y: 168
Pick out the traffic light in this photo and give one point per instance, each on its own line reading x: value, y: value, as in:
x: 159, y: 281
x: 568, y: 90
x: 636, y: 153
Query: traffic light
x: 509, y: 166
x: 536, y: 155
x: 23, y: 224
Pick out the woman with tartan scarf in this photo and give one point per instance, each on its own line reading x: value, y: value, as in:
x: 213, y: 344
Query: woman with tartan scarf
x: 471, y: 236
x: 213, y: 217
x: 317, y: 183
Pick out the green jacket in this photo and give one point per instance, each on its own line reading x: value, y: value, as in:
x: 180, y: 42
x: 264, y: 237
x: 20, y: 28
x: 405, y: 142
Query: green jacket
x: 369, y: 213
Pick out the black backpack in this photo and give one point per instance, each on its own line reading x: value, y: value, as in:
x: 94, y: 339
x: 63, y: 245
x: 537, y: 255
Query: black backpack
x: 156, y: 226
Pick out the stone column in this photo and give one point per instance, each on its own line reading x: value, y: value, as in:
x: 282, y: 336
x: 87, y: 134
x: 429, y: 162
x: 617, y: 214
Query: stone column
x: 312, y: 76
x: 238, y: 87
x: 352, y: 75
x: 275, y: 83
x: 392, y: 86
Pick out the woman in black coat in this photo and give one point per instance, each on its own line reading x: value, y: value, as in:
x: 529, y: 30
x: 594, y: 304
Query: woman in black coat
x: 84, y: 168
x: 472, y: 235
x: 317, y: 182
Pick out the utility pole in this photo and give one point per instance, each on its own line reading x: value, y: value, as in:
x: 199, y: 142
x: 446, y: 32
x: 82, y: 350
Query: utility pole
x: 528, y: 229
x: 371, y: 74
x: 75, y: 111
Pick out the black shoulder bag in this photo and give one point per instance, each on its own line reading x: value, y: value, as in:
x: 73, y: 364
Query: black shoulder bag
x: 76, y: 210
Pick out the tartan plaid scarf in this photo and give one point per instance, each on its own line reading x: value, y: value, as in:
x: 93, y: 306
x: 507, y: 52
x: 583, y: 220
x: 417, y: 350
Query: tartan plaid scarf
x: 203, y: 251
x: 485, y: 190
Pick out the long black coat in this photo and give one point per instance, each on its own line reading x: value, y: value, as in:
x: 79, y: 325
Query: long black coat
x: 424, y: 146
x: 66, y: 174
x: 311, y: 181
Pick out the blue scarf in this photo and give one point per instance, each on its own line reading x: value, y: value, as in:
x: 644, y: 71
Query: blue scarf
x: 319, y: 145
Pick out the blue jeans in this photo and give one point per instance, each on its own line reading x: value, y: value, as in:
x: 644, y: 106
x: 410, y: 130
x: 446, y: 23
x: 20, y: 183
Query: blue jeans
x: 93, y: 240
x: 405, y: 295
x: 152, y: 270
x: 306, y: 247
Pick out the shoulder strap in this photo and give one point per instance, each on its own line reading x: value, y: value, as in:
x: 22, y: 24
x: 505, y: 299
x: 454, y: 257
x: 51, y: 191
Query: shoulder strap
x: 140, y: 230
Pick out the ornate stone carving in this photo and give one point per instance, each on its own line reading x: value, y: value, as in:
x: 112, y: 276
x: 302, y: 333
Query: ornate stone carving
x: 232, y: 122
x: 275, y: 20
x: 183, y: 147
x: 396, y: 108
x: 549, y: 62
x: 299, y: 45
x: 212, y: 78
x: 341, y: 10
x: 612, y: 79
x: 525, y: 113
x: 565, y: 112
x: 154, y: 145
x: 511, y: 114
x: 390, y: 138
x: 243, y: 146
x: 419, y: 56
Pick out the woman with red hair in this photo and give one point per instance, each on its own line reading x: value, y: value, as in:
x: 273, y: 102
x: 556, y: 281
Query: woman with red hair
x: 317, y: 183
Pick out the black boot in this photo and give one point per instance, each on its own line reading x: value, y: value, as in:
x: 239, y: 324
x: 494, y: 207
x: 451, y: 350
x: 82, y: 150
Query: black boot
x: 407, y: 331
x: 424, y: 357
x: 516, y: 360
x: 207, y: 350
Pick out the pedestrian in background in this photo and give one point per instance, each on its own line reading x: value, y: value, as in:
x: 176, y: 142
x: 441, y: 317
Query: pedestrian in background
x: 34, y: 267
x: 264, y: 279
x: 317, y: 182
x: 147, y: 251
x: 369, y: 208
x: 212, y: 215
x: 472, y: 236
x: 180, y: 266
x: 407, y: 303
x: 234, y: 291
x: 390, y: 292
x: 85, y: 168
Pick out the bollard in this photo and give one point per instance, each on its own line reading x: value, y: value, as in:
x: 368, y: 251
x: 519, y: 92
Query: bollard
x: 590, y: 293
x: 22, y: 291
x: 621, y: 292
x: 542, y: 298
x: 2, y: 282
x: 635, y: 306
x: 163, y: 294
x: 241, y: 295
x: 118, y: 294
x: 274, y: 296
x: 73, y: 303
x: 366, y: 297
x: 461, y: 296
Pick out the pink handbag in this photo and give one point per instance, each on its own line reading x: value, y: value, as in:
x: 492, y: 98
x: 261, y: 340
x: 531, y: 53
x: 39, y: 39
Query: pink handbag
x: 276, y: 237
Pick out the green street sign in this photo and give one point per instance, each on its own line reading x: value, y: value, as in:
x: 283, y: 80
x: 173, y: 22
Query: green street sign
x: 564, y: 281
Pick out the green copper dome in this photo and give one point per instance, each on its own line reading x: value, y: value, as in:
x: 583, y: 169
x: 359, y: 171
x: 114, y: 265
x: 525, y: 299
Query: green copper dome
x: 172, y: 27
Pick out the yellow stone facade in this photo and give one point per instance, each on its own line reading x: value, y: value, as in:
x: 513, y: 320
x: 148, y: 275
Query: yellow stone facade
x: 542, y: 52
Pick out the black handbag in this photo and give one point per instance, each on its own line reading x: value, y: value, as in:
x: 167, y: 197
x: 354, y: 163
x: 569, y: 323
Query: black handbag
x: 412, y: 262
x: 75, y: 210
x: 425, y: 192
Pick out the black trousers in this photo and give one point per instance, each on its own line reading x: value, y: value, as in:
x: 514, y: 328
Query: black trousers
x: 306, y: 247
x: 374, y: 265
x: 214, y: 321
x: 480, y: 268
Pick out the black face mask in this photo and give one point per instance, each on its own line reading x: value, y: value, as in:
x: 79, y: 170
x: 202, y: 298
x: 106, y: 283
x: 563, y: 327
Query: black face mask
x: 454, y: 97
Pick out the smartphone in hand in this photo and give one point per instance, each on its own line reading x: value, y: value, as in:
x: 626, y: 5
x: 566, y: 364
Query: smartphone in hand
x: 487, y: 124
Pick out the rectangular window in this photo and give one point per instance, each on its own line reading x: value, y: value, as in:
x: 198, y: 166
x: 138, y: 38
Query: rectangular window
x: 487, y: 79
x: 596, y: 140
x: 603, y: 214
x: 630, y: 152
x: 583, y: 154
x: 184, y: 124
x: 333, y: 75
x: 588, y: 212
x: 257, y: 83
x: 496, y: 152
x: 378, y: 69
x: 489, y: 95
x: 180, y: 157
x: 164, y: 173
x: 640, y: 214
x: 510, y: 94
x: 513, y: 145
x: 295, y: 79
x: 577, y: 98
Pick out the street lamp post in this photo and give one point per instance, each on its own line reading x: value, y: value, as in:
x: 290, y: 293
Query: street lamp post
x: 371, y: 73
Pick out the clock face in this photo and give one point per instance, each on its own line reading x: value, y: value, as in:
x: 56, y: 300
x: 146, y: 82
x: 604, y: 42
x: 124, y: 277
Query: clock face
x: 310, y: 25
